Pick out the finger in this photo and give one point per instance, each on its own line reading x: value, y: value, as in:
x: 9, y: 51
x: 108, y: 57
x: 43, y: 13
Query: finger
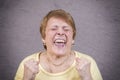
x: 36, y: 69
x: 33, y: 61
x: 82, y: 62
x: 37, y: 62
x: 77, y: 58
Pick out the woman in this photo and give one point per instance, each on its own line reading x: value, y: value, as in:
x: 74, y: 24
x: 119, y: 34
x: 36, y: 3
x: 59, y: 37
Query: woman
x: 58, y: 61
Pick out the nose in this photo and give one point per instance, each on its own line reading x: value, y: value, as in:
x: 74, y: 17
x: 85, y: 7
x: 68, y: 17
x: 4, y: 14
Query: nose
x: 60, y: 32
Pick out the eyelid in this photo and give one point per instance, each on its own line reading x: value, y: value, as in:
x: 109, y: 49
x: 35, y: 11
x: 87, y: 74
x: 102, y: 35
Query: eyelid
x: 66, y: 29
x: 53, y: 28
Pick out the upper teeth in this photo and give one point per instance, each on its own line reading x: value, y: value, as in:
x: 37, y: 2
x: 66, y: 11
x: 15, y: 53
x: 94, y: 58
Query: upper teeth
x: 60, y: 40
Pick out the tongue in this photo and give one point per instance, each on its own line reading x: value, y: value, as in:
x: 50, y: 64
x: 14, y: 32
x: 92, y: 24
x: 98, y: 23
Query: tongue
x: 59, y: 44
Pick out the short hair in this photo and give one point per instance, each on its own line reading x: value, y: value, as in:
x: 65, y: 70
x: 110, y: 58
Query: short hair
x: 59, y: 13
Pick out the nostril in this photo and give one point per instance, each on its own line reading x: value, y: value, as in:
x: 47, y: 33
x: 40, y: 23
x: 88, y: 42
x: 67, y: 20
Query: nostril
x: 60, y: 34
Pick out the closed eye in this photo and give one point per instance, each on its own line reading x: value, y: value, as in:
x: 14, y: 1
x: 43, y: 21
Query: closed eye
x: 66, y: 29
x: 53, y: 29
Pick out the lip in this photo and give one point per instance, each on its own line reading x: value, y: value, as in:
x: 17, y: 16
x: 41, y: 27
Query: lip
x: 59, y: 42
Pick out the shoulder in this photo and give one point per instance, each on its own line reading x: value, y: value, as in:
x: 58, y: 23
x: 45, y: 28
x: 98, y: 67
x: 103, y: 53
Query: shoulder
x: 82, y: 55
x: 34, y: 56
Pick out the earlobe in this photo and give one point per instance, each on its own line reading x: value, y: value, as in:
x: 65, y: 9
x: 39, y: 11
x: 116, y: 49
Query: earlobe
x: 73, y: 42
x: 43, y: 40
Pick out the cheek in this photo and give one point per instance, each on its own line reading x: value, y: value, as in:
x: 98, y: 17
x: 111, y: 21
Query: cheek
x: 49, y: 35
x: 70, y: 37
x: 70, y: 34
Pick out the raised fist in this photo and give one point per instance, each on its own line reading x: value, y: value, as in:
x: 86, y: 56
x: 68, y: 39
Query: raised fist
x: 83, y: 68
x: 31, y: 68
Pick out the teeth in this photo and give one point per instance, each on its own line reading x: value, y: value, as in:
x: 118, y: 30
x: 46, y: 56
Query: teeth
x: 59, y: 41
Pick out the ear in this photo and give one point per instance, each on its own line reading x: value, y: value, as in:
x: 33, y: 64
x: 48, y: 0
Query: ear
x: 43, y: 40
x: 73, y: 42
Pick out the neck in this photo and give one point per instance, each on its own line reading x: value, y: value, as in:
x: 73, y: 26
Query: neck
x: 58, y: 60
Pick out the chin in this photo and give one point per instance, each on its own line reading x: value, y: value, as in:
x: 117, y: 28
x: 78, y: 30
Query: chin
x: 60, y: 52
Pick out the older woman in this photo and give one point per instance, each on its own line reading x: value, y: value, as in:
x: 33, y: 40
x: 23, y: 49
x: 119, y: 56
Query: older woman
x: 58, y: 61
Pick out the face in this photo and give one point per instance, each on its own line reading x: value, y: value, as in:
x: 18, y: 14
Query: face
x: 59, y: 36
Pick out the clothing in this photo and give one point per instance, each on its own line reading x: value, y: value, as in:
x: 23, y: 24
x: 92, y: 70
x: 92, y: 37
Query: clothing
x: 70, y: 74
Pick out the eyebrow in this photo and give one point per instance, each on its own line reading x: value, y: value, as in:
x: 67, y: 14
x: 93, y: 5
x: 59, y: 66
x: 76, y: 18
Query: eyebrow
x: 56, y: 26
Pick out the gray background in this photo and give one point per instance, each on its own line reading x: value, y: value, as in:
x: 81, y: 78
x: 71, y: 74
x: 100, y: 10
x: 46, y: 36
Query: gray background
x: 98, y: 32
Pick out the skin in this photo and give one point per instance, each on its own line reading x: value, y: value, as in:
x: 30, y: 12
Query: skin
x: 31, y: 68
x: 83, y: 67
x: 57, y: 57
x: 58, y: 29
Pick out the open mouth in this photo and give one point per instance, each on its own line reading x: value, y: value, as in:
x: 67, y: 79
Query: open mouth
x: 60, y: 42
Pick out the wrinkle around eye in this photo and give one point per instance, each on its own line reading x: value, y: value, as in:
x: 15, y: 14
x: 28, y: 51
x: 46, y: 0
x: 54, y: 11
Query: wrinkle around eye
x: 53, y: 29
x: 66, y: 29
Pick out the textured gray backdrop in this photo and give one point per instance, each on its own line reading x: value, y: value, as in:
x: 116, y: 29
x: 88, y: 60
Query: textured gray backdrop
x: 98, y: 32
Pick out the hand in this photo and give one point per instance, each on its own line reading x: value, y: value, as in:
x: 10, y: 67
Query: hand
x: 83, y: 68
x: 31, y: 68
